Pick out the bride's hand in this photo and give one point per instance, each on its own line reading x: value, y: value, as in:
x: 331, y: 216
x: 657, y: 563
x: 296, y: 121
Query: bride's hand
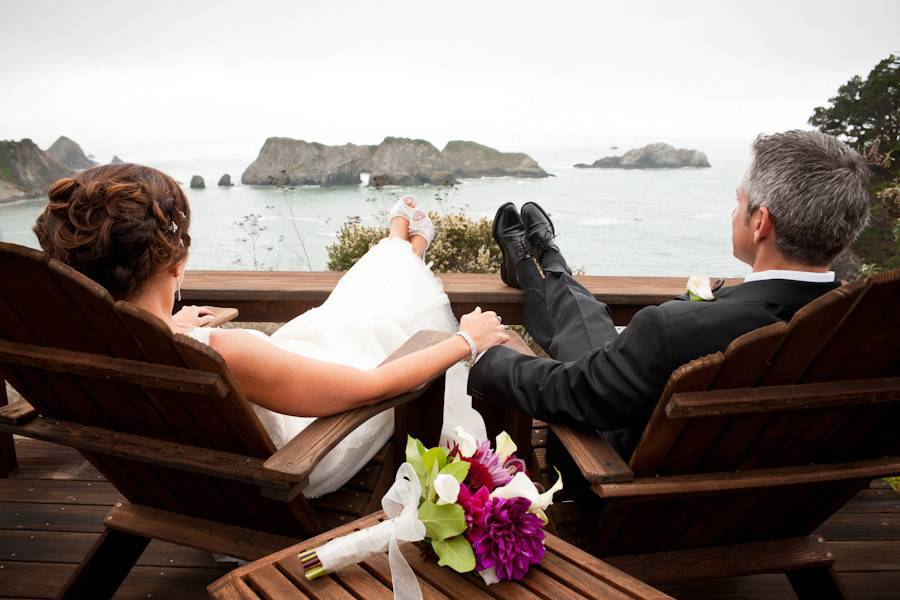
x: 484, y: 328
x: 193, y: 316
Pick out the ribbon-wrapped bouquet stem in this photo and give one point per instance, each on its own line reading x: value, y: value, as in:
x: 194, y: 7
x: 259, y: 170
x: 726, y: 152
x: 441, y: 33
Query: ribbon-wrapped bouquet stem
x: 474, y: 505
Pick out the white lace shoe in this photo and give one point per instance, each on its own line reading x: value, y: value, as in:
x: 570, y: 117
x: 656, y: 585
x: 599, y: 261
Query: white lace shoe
x: 402, y: 209
x: 422, y: 226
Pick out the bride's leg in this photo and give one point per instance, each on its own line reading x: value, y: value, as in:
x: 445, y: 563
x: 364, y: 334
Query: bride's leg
x: 399, y: 224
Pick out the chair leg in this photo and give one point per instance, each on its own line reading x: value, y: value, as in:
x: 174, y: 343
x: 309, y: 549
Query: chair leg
x: 105, y: 567
x: 8, y: 462
x: 821, y: 583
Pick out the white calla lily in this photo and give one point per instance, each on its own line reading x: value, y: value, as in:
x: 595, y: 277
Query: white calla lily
x: 447, y: 488
x: 698, y: 288
x: 505, y: 446
x: 519, y: 487
x: 467, y: 444
x: 522, y: 487
x: 546, y: 499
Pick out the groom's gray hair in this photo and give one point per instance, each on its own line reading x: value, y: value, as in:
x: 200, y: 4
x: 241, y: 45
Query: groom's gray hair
x: 816, y: 189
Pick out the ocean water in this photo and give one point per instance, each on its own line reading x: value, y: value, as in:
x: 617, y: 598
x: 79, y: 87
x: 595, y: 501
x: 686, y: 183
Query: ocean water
x: 609, y: 221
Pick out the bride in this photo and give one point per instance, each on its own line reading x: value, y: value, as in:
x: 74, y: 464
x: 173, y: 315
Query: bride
x: 127, y: 227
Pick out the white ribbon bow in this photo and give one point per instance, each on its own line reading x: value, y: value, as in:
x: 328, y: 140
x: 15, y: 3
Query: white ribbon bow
x: 401, y: 504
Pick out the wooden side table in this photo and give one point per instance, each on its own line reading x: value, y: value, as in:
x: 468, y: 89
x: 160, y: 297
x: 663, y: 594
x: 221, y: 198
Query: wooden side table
x: 565, y: 573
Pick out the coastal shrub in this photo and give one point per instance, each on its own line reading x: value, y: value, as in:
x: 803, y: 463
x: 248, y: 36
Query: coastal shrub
x: 879, y: 243
x: 462, y: 245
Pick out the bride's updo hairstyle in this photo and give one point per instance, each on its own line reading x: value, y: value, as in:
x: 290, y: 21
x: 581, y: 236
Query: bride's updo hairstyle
x: 118, y: 224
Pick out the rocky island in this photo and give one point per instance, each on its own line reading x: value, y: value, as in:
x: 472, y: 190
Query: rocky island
x: 470, y: 159
x: 69, y: 153
x: 395, y: 161
x: 652, y: 156
x: 404, y: 161
x: 26, y: 171
x: 286, y: 161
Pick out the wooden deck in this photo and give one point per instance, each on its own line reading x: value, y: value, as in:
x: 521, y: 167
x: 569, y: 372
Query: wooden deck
x: 52, y: 507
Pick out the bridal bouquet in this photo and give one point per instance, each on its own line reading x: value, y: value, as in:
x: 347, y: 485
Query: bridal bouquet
x: 474, y: 505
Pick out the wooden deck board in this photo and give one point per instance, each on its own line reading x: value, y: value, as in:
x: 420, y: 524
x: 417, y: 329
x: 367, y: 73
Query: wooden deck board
x: 45, y: 531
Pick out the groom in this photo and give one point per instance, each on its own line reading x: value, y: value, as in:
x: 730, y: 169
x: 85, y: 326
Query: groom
x: 803, y: 199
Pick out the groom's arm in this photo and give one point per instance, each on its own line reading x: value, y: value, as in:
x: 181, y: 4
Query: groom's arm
x: 608, y: 388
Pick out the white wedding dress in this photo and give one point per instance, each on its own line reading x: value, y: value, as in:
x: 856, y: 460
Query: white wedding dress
x: 386, y: 297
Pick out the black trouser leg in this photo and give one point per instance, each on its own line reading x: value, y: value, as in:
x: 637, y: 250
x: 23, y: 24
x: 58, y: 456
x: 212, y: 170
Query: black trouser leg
x: 568, y: 322
x: 559, y: 313
x: 535, y: 315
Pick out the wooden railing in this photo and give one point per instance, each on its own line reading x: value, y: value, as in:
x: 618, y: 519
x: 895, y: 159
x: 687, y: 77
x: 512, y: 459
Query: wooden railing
x: 280, y: 296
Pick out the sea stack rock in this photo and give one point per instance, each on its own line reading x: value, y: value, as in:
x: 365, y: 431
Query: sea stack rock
x: 286, y: 161
x: 404, y: 161
x: 653, y: 156
x: 116, y: 160
x: 70, y: 154
x: 225, y: 180
x: 26, y: 171
x: 197, y: 183
x: 470, y: 159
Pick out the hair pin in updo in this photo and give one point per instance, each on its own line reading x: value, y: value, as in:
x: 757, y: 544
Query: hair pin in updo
x: 173, y: 227
x: 183, y: 216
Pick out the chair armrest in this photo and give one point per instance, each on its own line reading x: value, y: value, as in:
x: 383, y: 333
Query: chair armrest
x: 593, y: 455
x: 17, y: 412
x: 221, y: 315
x: 296, y: 459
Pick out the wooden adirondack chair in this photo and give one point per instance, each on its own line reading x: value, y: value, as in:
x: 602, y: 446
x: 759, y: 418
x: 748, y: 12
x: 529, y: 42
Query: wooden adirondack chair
x: 749, y: 451
x: 160, y: 416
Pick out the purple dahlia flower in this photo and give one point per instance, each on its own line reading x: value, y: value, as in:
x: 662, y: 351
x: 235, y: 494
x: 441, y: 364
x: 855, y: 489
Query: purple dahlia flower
x: 505, y: 536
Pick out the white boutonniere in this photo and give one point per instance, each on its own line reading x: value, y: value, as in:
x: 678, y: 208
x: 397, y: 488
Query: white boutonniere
x: 699, y: 289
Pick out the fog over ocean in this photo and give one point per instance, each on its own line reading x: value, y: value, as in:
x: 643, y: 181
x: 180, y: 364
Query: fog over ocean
x: 609, y: 221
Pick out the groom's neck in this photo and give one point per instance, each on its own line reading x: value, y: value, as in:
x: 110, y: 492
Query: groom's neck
x: 771, y: 260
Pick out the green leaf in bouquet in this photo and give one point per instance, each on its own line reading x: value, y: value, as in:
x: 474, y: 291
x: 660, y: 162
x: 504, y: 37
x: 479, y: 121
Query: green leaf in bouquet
x: 432, y: 457
x: 414, y: 451
x: 458, y: 469
x: 456, y: 553
x: 442, y: 522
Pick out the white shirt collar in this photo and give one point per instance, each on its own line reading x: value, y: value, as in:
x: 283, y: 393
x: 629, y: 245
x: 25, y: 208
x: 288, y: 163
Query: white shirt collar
x: 826, y: 277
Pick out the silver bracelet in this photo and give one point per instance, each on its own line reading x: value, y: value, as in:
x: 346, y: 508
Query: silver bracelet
x: 473, y: 350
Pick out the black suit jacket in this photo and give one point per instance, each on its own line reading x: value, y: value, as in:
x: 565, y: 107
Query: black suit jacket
x: 614, y: 388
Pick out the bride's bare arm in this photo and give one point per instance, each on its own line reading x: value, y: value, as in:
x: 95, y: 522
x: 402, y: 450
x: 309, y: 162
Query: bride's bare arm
x: 291, y: 384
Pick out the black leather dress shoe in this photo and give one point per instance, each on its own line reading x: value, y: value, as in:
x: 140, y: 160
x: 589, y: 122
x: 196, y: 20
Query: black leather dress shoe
x: 539, y: 230
x: 509, y: 233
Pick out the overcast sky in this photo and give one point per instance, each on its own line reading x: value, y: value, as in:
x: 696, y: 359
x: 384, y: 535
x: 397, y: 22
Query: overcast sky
x: 108, y: 73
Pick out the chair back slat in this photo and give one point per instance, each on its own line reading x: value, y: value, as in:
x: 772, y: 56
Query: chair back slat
x: 661, y: 432
x: 811, y: 328
x: 868, y: 341
x: 742, y: 363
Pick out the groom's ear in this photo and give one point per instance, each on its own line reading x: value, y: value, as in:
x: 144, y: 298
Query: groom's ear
x: 761, y: 224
